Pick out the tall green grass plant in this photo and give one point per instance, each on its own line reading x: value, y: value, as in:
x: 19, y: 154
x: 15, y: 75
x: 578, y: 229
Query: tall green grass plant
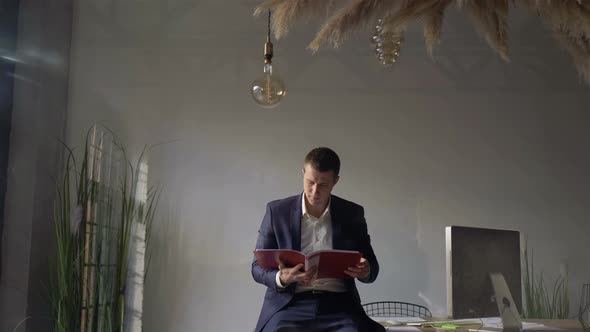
x: 96, y: 208
x: 540, y: 300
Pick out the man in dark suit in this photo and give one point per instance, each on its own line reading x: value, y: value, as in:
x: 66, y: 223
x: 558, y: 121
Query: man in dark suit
x: 311, y: 221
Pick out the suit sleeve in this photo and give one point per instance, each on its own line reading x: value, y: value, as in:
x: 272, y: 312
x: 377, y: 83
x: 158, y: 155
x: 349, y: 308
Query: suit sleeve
x: 266, y: 240
x: 366, y: 249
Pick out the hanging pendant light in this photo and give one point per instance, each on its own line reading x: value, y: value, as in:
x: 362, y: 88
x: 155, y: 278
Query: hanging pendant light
x: 268, y: 90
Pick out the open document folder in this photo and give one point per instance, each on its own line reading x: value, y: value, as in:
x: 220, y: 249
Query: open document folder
x: 399, y: 323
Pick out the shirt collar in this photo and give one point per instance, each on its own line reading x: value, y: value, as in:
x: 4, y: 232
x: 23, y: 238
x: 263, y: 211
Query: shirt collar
x: 304, y: 208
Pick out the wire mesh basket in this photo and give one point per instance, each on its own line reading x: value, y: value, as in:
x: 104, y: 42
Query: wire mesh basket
x: 396, y: 309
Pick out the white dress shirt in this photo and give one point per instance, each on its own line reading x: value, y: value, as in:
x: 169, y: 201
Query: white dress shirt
x: 316, y: 234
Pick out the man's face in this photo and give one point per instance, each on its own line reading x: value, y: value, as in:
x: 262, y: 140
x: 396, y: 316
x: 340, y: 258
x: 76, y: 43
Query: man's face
x: 317, y: 186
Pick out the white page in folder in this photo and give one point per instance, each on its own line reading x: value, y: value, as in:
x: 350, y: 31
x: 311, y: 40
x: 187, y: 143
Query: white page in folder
x: 398, y: 324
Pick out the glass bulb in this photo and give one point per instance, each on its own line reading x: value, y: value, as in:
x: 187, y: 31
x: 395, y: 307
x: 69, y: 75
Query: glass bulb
x: 386, y: 42
x: 268, y: 90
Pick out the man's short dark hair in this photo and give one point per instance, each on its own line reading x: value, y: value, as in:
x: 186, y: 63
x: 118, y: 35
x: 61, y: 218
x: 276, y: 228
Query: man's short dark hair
x: 323, y: 160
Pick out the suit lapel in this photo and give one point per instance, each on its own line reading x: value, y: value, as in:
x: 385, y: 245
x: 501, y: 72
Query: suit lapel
x: 336, y: 225
x: 296, y: 212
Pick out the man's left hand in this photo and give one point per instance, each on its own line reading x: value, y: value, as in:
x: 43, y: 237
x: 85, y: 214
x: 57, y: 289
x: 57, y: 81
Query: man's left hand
x: 359, y: 271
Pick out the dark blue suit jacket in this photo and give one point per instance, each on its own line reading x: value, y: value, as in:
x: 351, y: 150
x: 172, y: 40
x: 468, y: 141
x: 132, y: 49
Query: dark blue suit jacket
x: 281, y: 229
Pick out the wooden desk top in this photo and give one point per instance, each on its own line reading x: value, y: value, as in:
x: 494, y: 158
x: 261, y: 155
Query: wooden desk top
x: 569, y: 325
x: 565, y: 324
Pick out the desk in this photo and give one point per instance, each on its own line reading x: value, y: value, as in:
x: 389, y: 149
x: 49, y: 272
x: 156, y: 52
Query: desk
x: 563, y: 324
x: 569, y: 325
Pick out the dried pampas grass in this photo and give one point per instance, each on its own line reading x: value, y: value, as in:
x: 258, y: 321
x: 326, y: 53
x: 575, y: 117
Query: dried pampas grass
x: 580, y: 52
x: 491, y: 17
x: 570, y: 23
x: 569, y: 20
x: 433, y: 25
x: 357, y: 13
x: 287, y: 12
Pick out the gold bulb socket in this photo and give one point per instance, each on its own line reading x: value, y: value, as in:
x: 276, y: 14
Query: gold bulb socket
x: 267, y: 52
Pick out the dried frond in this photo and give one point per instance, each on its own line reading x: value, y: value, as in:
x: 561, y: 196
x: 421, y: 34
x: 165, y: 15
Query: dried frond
x: 580, y: 52
x: 491, y: 19
x: 412, y: 10
x: 287, y: 12
x: 358, y: 12
x: 570, y: 23
x: 265, y: 6
x: 433, y: 25
x: 567, y: 16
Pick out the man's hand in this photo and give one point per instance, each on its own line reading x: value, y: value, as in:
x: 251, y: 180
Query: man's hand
x: 359, y: 271
x: 294, y: 274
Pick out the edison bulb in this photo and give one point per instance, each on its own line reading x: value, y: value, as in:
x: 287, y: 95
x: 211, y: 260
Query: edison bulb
x: 268, y: 90
x: 387, y: 43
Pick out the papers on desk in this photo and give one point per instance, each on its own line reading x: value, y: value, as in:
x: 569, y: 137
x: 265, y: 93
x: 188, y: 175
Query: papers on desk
x: 404, y: 320
x: 398, y: 324
x: 439, y: 323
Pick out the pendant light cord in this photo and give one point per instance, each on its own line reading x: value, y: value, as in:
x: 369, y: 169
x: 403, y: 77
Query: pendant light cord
x: 268, y: 34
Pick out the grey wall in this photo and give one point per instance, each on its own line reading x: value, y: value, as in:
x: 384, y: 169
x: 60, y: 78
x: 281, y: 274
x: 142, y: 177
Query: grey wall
x: 465, y: 140
x: 38, y: 119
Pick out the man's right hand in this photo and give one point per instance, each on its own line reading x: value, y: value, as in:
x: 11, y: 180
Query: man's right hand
x: 293, y: 274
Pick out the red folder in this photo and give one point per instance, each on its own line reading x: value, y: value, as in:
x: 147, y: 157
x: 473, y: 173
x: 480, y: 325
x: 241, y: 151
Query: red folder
x: 329, y: 263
